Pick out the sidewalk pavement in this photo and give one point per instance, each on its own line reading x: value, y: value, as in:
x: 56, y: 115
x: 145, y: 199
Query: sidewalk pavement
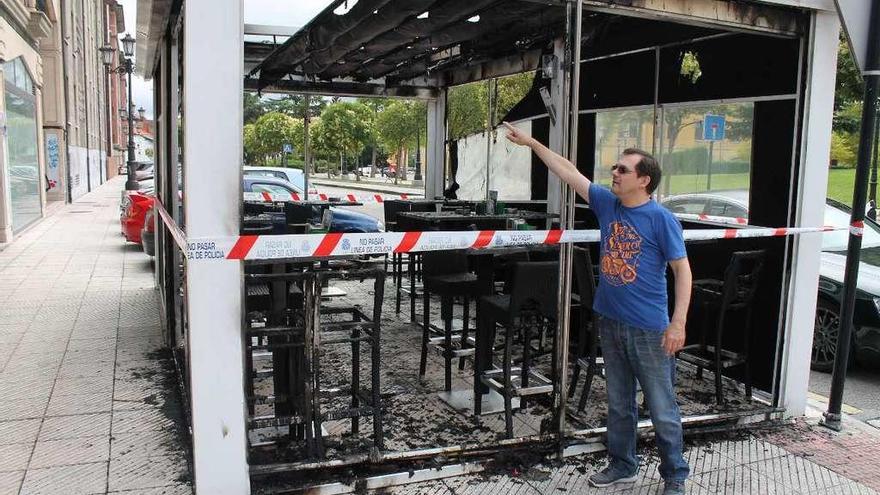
x: 88, y: 400
x: 372, y: 185
x: 90, y: 405
x: 796, y: 458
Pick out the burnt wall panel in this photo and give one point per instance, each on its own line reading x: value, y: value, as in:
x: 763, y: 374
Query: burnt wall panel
x: 730, y: 67
x: 541, y: 132
x: 627, y: 80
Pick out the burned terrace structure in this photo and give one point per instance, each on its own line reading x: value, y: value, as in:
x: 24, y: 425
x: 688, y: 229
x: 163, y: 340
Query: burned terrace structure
x: 750, y: 81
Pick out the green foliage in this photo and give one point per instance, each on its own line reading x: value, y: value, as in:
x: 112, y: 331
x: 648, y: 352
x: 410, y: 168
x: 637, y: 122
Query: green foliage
x: 251, y: 146
x: 467, y: 109
x: 399, y: 124
x: 267, y: 136
x: 848, y: 118
x: 253, y: 107
x: 347, y: 126
x: 849, y: 87
x: 844, y: 148
x: 295, y: 105
x: 690, y: 67
x: 511, y: 90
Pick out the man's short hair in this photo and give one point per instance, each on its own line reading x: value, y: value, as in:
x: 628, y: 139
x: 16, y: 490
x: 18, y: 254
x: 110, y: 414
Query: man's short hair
x: 647, y: 165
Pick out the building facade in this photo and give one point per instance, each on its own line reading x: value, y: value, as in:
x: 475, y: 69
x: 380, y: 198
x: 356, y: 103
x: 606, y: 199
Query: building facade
x: 57, y: 105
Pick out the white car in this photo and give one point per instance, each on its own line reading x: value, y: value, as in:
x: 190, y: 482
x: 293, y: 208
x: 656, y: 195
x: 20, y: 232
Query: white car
x: 294, y: 176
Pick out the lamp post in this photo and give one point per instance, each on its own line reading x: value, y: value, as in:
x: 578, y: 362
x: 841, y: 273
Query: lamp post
x: 125, y: 67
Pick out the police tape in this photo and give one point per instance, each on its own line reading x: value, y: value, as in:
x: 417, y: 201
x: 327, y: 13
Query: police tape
x: 269, y: 247
x: 267, y: 197
x: 712, y: 218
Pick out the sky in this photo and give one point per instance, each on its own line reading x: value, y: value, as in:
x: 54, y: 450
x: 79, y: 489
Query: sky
x: 270, y: 12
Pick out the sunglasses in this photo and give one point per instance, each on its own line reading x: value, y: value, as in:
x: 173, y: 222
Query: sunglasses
x: 620, y: 169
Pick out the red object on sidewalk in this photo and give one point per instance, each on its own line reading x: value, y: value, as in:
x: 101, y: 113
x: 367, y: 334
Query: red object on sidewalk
x: 133, y: 215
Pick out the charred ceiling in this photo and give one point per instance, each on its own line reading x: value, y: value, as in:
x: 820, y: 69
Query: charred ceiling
x: 401, y: 39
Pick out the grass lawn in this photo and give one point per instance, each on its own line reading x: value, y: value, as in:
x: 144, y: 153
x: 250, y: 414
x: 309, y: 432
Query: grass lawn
x: 840, y: 184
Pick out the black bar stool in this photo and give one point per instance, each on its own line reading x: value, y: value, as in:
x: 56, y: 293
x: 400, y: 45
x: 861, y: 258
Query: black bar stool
x: 588, y: 333
x: 533, y: 301
x: 446, y: 274
x: 735, y: 293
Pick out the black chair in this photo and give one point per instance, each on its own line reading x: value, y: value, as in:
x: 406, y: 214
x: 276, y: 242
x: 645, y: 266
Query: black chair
x: 297, y: 216
x: 392, y: 208
x: 735, y: 293
x: 445, y: 273
x: 532, y: 302
x: 588, y: 332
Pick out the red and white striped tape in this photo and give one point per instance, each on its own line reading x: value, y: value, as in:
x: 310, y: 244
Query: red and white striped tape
x: 712, y: 218
x: 265, y: 197
x: 266, y: 247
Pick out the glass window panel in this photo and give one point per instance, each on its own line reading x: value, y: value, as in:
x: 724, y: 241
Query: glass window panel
x: 616, y: 131
x: 270, y: 188
x: 21, y: 139
x: 706, y: 150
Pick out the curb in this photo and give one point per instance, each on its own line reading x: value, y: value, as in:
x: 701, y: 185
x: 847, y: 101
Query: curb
x: 380, y: 188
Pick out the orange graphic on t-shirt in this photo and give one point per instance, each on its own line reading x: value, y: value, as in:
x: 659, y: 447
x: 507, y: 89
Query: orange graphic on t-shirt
x: 620, y: 260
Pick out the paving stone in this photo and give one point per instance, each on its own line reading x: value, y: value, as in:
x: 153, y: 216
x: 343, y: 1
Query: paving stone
x: 70, y: 451
x: 177, y: 489
x: 145, y: 444
x: 20, y: 431
x: 140, y: 420
x: 23, y: 409
x: 66, y: 405
x: 80, y: 386
x: 133, y: 472
x: 81, y: 479
x: 14, y: 457
x: 77, y: 426
x: 10, y: 482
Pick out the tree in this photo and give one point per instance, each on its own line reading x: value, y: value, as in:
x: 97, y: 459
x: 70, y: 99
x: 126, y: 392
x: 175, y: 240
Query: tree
x: 467, y: 108
x: 346, y: 125
x: 511, y: 90
x: 271, y: 132
x: 253, y: 107
x: 251, y: 146
x: 849, y: 87
x: 376, y: 106
x: 398, y: 127
x: 295, y: 105
x: 844, y: 148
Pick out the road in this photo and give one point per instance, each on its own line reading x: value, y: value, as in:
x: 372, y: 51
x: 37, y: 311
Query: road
x: 860, y: 393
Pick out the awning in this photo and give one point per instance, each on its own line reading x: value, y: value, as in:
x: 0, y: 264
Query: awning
x: 398, y: 40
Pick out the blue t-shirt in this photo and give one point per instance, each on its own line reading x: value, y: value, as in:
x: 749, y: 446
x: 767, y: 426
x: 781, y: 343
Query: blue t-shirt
x: 636, y: 245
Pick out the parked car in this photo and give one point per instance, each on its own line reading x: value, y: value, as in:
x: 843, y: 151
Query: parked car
x: 132, y: 217
x: 866, y: 332
x: 294, y: 176
x: 343, y: 220
x: 140, y: 212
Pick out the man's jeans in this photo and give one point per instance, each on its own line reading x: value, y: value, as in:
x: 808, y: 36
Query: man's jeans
x: 632, y: 354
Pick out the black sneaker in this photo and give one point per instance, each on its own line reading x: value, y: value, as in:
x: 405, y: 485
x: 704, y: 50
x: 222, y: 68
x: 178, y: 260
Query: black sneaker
x: 673, y: 488
x: 611, y: 475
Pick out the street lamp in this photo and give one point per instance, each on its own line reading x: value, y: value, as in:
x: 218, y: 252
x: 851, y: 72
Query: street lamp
x: 125, y: 67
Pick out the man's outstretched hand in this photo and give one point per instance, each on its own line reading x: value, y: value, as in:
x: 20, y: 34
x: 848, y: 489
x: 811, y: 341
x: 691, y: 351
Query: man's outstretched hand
x: 517, y: 136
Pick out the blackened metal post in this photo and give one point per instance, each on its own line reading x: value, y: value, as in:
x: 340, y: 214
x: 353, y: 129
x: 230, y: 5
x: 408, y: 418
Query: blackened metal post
x: 869, y: 114
x: 131, y: 183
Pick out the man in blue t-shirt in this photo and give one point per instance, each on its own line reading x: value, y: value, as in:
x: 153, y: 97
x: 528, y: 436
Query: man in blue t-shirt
x: 639, y: 238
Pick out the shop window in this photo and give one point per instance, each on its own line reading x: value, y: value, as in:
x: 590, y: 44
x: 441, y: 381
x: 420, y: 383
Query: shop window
x: 22, y: 166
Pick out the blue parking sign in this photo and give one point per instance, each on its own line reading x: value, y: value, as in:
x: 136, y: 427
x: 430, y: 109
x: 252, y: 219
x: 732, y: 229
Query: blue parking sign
x: 288, y: 148
x: 713, y: 127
